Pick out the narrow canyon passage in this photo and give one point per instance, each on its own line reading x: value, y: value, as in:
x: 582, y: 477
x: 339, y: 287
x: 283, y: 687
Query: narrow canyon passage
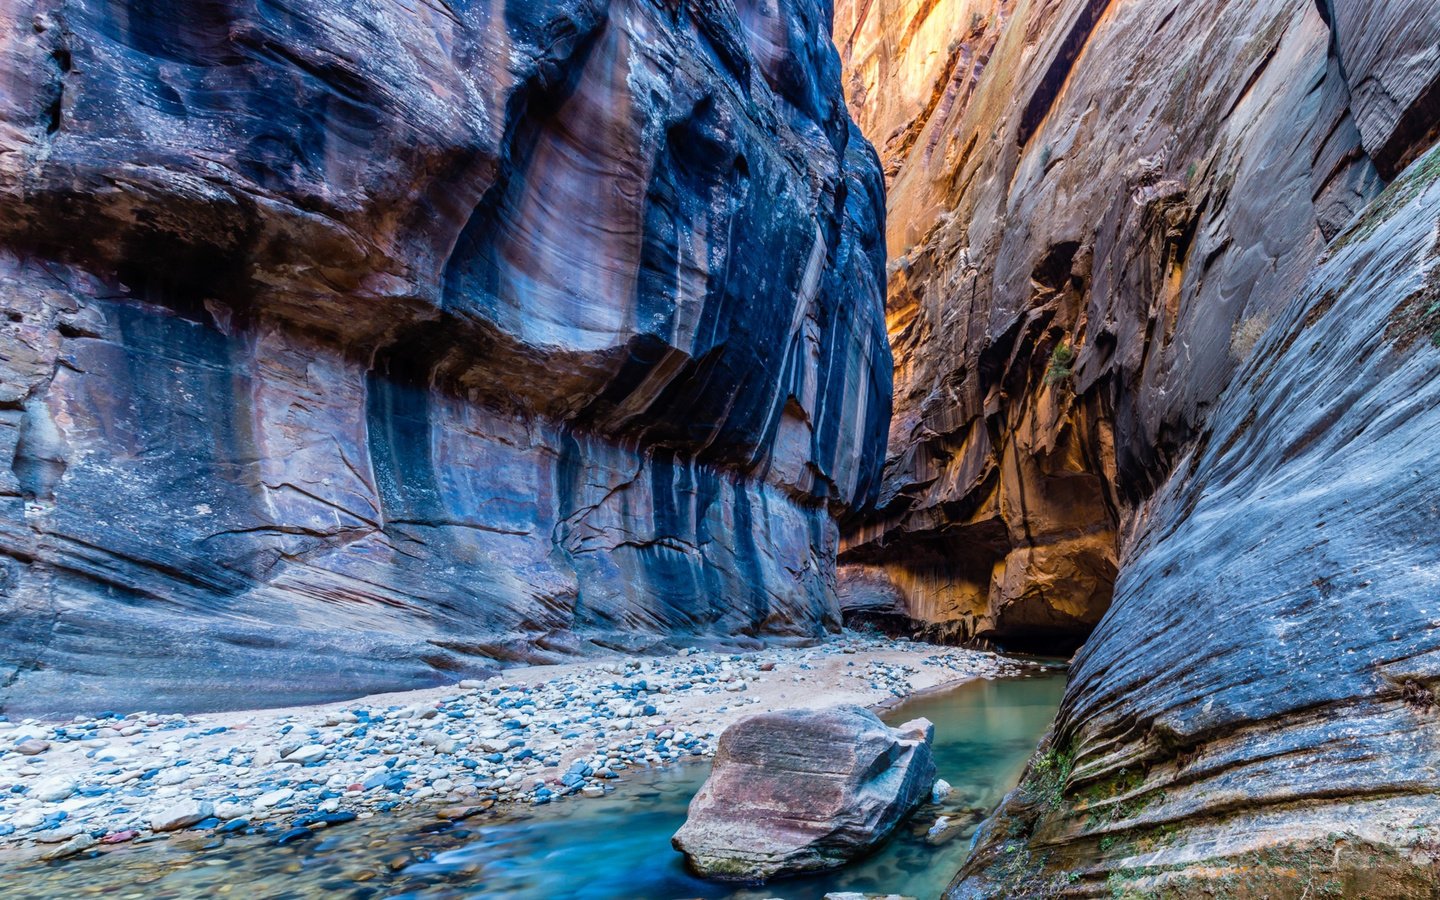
x: 350, y: 349
x: 1161, y: 299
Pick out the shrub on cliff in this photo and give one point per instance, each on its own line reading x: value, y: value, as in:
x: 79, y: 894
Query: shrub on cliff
x: 1062, y: 364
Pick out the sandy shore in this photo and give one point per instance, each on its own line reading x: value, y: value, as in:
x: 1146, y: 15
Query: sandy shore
x: 532, y: 735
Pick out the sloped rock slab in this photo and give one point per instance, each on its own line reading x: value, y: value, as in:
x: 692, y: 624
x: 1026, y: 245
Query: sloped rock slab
x: 802, y: 791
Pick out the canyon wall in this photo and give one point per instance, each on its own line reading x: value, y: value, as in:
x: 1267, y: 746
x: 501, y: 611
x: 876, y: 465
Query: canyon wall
x: 1114, y: 204
x: 1166, y: 345
x: 1257, y: 714
x: 912, y: 62
x: 349, y: 347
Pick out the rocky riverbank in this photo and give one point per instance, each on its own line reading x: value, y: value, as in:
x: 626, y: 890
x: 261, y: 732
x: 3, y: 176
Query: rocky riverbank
x: 534, y: 735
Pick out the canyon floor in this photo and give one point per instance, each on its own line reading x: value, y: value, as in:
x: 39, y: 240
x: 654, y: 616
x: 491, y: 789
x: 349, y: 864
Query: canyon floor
x: 531, y: 735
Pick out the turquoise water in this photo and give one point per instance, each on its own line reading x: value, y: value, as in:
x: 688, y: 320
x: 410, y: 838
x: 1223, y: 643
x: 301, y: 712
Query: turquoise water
x: 613, y: 847
x: 619, y: 846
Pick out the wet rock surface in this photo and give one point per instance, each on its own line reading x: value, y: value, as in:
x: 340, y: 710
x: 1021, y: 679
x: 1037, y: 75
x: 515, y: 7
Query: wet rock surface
x: 805, y: 790
x: 348, y: 347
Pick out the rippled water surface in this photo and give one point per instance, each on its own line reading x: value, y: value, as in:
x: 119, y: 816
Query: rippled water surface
x: 614, y: 847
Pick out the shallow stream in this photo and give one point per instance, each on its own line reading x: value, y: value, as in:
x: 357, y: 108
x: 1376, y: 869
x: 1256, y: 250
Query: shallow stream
x: 612, y: 848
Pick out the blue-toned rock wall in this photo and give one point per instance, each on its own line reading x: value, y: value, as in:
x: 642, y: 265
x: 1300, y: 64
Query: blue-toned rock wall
x: 348, y: 347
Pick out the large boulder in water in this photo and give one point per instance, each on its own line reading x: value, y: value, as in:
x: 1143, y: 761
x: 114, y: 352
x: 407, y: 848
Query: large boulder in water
x: 804, y: 790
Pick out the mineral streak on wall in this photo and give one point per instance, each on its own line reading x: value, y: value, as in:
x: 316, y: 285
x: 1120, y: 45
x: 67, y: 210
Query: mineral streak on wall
x: 351, y: 346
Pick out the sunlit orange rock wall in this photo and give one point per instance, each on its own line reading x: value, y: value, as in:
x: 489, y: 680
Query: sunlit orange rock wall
x: 1141, y: 185
x: 1228, y: 213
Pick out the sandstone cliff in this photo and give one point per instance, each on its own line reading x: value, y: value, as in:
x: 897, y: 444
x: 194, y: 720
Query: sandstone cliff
x: 1115, y: 205
x: 1257, y: 714
x: 346, y: 347
x: 1164, y: 335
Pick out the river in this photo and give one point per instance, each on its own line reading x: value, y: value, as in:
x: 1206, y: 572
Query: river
x: 611, y: 848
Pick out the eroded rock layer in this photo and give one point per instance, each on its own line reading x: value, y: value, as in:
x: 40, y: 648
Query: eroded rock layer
x: 911, y: 62
x: 1257, y: 714
x: 1115, y: 207
x: 349, y: 346
x: 1165, y: 305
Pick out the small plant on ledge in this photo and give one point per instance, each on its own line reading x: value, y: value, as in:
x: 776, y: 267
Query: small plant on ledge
x: 1062, y: 364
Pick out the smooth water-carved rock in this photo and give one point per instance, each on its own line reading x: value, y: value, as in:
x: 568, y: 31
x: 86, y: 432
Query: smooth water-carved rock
x: 348, y: 347
x: 1263, y: 692
x: 804, y: 791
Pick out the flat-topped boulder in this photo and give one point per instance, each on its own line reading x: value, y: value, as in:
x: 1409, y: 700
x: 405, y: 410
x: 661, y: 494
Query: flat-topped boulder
x: 803, y: 791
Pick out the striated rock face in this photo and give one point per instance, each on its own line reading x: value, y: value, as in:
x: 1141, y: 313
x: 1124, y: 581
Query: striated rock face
x: 348, y: 346
x: 1260, y: 704
x: 803, y: 791
x: 1392, y: 63
x: 1161, y: 338
x: 909, y: 63
x: 1116, y: 205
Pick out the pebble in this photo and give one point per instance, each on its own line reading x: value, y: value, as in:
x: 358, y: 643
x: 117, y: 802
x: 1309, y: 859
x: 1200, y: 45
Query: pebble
x: 482, y: 743
x: 53, y: 791
x: 182, y: 815
x: 273, y: 798
x: 77, y: 844
x: 226, y: 810
x: 307, y: 754
x: 456, y: 813
x: 293, y: 835
x: 940, y: 790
